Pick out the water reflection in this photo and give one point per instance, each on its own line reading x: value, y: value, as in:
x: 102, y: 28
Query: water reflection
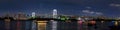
x: 42, y: 25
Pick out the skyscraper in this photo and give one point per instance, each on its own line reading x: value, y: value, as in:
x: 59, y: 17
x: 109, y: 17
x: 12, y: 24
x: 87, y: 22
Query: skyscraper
x: 33, y: 14
x: 54, y: 13
x: 54, y: 23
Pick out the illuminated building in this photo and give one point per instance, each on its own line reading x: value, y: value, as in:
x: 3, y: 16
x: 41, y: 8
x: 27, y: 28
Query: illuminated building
x: 33, y: 14
x: 54, y: 13
x: 54, y: 23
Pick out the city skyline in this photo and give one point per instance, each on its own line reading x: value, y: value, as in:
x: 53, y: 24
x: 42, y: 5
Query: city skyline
x: 69, y: 7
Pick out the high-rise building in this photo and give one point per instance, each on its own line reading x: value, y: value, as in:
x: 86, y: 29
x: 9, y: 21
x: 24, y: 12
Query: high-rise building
x: 54, y: 13
x: 33, y: 14
x: 54, y: 23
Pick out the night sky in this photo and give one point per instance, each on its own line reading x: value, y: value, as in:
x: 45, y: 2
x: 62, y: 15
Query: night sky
x: 69, y: 7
